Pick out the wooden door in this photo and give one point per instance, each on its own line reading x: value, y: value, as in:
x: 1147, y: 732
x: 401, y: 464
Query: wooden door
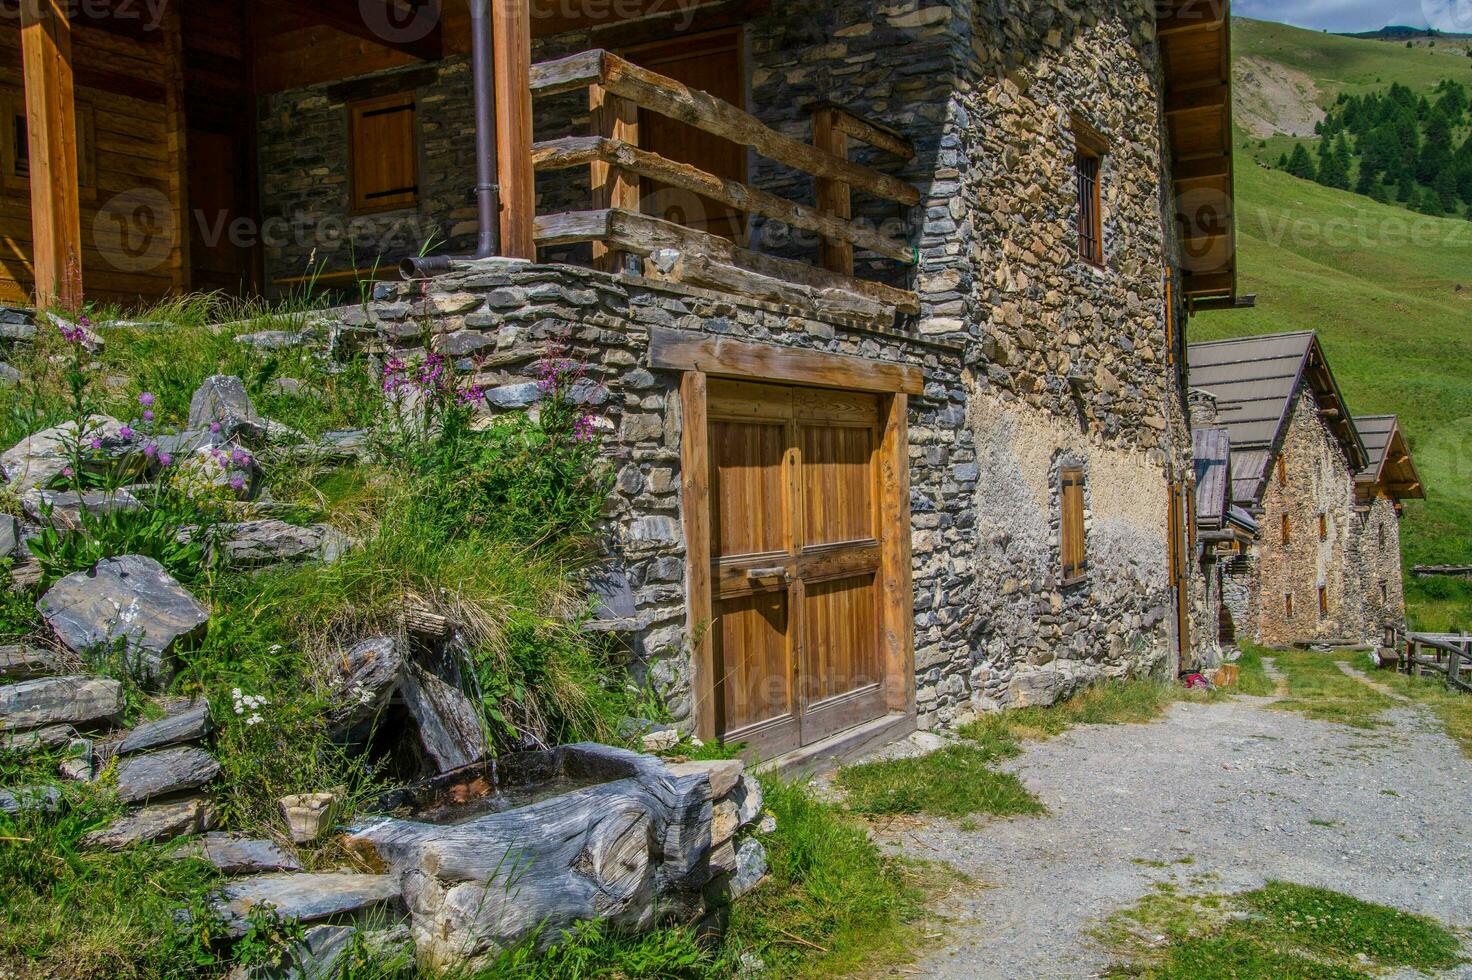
x: 795, y: 555
x: 219, y: 174
x: 711, y: 63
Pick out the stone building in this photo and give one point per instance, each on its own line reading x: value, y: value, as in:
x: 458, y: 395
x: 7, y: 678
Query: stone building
x: 1389, y: 478
x: 1300, y: 468
x: 1224, y: 531
x: 884, y: 322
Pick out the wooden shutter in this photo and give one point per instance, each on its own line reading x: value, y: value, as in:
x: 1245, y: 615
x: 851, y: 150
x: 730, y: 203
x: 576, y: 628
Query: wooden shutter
x: 1323, y: 602
x: 1075, y: 556
x: 1282, y: 471
x: 1323, y: 527
x: 385, y: 154
x: 1287, y: 530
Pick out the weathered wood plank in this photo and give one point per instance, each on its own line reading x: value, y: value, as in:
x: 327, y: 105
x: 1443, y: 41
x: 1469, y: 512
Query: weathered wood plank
x: 865, y: 131
x: 701, y: 271
x: 511, y: 22
x: 695, y: 505
x: 613, y: 186
x: 617, y: 155
x: 668, y: 97
x: 681, y: 350
x: 834, y: 197
x: 897, y: 591
x: 56, y: 218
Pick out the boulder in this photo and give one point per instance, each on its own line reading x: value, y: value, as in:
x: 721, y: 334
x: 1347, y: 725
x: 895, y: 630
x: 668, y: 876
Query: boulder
x: 307, y: 897
x: 223, y: 399
x: 449, y: 725
x: 9, y: 375
x: 63, y: 509
x: 309, y: 816
x: 252, y: 544
x: 275, y: 339
x: 661, y: 740
x: 129, y: 602
x: 748, y: 799
x: 1045, y: 686
x: 26, y: 799
x: 20, y: 662
x: 69, y: 700
x: 17, y: 325
x: 370, y: 677
x: 190, y: 724
x: 152, y: 824
x: 143, y: 777
x: 315, y: 957
x: 37, y: 461
x: 236, y: 854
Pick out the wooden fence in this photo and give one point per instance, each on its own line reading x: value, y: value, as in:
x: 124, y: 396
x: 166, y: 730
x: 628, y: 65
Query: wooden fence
x: 1447, y: 654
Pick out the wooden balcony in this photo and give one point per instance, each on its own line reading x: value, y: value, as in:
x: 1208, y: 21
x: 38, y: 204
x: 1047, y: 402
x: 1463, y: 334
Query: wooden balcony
x: 624, y: 237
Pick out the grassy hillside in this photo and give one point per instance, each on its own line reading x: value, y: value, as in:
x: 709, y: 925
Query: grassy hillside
x: 1345, y: 64
x: 1390, y: 293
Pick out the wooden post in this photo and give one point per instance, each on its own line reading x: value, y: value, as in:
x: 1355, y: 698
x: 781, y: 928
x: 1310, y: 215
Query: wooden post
x: 1453, y: 669
x: 613, y: 187
x: 695, y: 502
x: 834, y: 196
x: 51, y: 120
x: 512, y: 41
x: 177, y: 143
x: 897, y: 611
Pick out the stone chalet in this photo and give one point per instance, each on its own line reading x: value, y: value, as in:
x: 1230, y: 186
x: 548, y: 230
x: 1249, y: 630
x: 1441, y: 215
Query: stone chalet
x: 1326, y: 564
x: 883, y: 305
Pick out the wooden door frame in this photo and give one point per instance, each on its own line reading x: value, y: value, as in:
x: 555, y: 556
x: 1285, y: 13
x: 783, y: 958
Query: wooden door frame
x: 699, y: 356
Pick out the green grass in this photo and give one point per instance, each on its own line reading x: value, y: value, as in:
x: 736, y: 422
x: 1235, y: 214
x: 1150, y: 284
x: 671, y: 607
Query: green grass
x: 1253, y: 677
x: 1354, y: 65
x: 1381, y: 288
x: 1318, y: 689
x: 1115, y: 703
x: 1281, y: 930
x: 955, y: 781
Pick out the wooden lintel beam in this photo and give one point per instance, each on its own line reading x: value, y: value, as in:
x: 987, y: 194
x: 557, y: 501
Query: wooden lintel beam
x: 56, y: 222
x: 684, y: 350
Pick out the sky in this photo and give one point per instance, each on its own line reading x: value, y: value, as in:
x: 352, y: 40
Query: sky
x: 1361, y: 15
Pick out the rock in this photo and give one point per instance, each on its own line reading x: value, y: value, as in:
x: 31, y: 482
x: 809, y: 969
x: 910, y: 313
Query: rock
x: 236, y: 854
x: 53, y: 737
x: 353, y: 442
x: 91, y: 340
x: 449, y: 726
x: 309, y: 815
x: 751, y: 867
x: 288, y: 386
x: 143, y: 777
x: 78, y: 766
x: 72, y: 700
x: 188, y: 442
x: 275, y: 339
x: 138, y: 326
x: 723, y: 822
x: 10, y: 535
x: 315, y: 957
x: 748, y: 799
x: 252, y: 544
x: 225, y: 469
x: 63, y: 509
x: 9, y: 375
x: 18, y: 663
x: 370, y: 678
x: 722, y: 858
x: 37, y: 461
x: 660, y: 741
x: 1045, y: 686
x: 131, y: 602
x: 724, y: 774
x: 223, y: 399
x: 152, y: 824
x: 17, y: 326
x: 188, y: 725
x: 307, y: 897
x: 25, y: 799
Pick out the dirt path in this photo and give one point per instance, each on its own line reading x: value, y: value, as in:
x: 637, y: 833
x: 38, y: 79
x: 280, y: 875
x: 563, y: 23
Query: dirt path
x: 1280, y: 683
x: 1212, y: 798
x: 1370, y: 682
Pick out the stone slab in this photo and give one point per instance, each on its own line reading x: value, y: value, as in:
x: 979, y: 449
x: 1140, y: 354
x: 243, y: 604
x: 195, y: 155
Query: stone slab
x: 143, y: 777
x: 307, y: 897
x: 237, y: 854
x: 77, y: 699
x: 189, y: 725
x: 152, y: 824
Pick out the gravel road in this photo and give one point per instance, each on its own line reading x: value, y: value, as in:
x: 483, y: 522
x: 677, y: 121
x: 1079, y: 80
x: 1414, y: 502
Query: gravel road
x: 1246, y: 792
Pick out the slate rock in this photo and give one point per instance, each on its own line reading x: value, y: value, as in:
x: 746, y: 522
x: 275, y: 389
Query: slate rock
x: 63, y: 509
x: 223, y: 399
x: 92, y: 341
x: 152, y: 824
x: 306, y: 897
x: 253, y: 544
x: 24, y: 799
x: 315, y: 957
x: 275, y: 339
x: 37, y: 461
x: 129, y: 602
x: 79, y: 765
x: 51, y: 737
x: 143, y: 777
x: 367, y: 685
x: 9, y: 375
x: 724, y: 774
x: 751, y: 867
x: 449, y: 725
x: 76, y: 699
x: 514, y: 396
x: 17, y: 326
x: 237, y: 854
x: 10, y: 535
x: 748, y: 799
x: 20, y: 662
x: 189, y: 725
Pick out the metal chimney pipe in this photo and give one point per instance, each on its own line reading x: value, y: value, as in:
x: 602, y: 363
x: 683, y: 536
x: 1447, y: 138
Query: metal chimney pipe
x: 487, y: 187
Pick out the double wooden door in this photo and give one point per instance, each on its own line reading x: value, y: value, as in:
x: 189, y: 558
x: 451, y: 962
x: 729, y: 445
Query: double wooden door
x: 796, y: 554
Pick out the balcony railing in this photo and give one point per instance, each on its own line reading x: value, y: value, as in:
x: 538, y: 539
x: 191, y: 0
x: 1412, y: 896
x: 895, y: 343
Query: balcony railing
x: 617, y: 227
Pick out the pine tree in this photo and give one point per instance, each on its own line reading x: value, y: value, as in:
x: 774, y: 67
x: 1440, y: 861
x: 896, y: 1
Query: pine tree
x: 1282, y: 161
x: 1405, y: 191
x: 1301, y: 164
x: 1445, y: 189
x: 1332, y: 172
x: 1367, y: 180
x: 1380, y: 192
x: 1341, y: 150
x: 1435, y: 159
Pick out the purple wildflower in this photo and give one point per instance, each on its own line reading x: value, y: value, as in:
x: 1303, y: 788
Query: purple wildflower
x: 583, y: 430
x: 96, y: 443
x: 150, y: 450
x: 74, y: 335
x: 215, y: 427
x: 68, y: 472
x: 237, y: 483
x: 126, y: 432
x: 86, y: 320
x: 146, y: 399
x: 148, y: 415
x: 164, y: 459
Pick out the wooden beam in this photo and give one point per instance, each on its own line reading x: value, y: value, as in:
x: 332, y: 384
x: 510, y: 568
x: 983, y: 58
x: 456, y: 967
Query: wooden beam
x: 614, y: 186
x: 704, y: 111
x: 682, y: 350
x: 512, y: 43
x: 1229, y: 303
x: 56, y: 222
x: 706, y: 273
x: 865, y: 131
x: 177, y: 144
x: 695, y: 506
x: 643, y: 234
x: 1203, y: 283
x: 576, y: 151
x: 1198, y: 99
x: 835, y: 201
x: 897, y: 610
x: 1189, y: 16
x: 1202, y: 168
x: 374, y: 21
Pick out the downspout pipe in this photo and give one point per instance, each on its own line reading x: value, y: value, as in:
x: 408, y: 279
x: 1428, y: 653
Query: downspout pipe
x: 487, y: 188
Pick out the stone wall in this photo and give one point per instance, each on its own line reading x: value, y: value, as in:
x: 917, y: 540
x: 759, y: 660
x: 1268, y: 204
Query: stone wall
x: 1239, y: 594
x: 1375, y: 568
x: 1318, y: 482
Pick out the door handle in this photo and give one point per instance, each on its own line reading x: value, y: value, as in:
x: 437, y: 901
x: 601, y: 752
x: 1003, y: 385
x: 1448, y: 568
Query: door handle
x: 766, y: 576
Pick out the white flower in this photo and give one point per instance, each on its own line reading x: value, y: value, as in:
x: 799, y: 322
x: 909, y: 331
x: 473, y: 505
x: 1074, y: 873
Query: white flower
x: 253, y: 720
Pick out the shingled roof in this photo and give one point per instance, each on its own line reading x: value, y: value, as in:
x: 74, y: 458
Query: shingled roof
x: 1390, y: 465
x: 1254, y: 381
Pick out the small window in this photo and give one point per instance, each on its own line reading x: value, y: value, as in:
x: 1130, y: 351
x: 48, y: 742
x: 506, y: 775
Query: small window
x: 1323, y: 527
x: 1282, y: 471
x: 1090, y: 148
x: 15, y: 144
x: 1384, y: 591
x: 1075, y: 555
x: 385, y: 154
x: 1287, y: 530
x: 1288, y: 605
x: 1382, y: 535
x: 1323, y: 602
